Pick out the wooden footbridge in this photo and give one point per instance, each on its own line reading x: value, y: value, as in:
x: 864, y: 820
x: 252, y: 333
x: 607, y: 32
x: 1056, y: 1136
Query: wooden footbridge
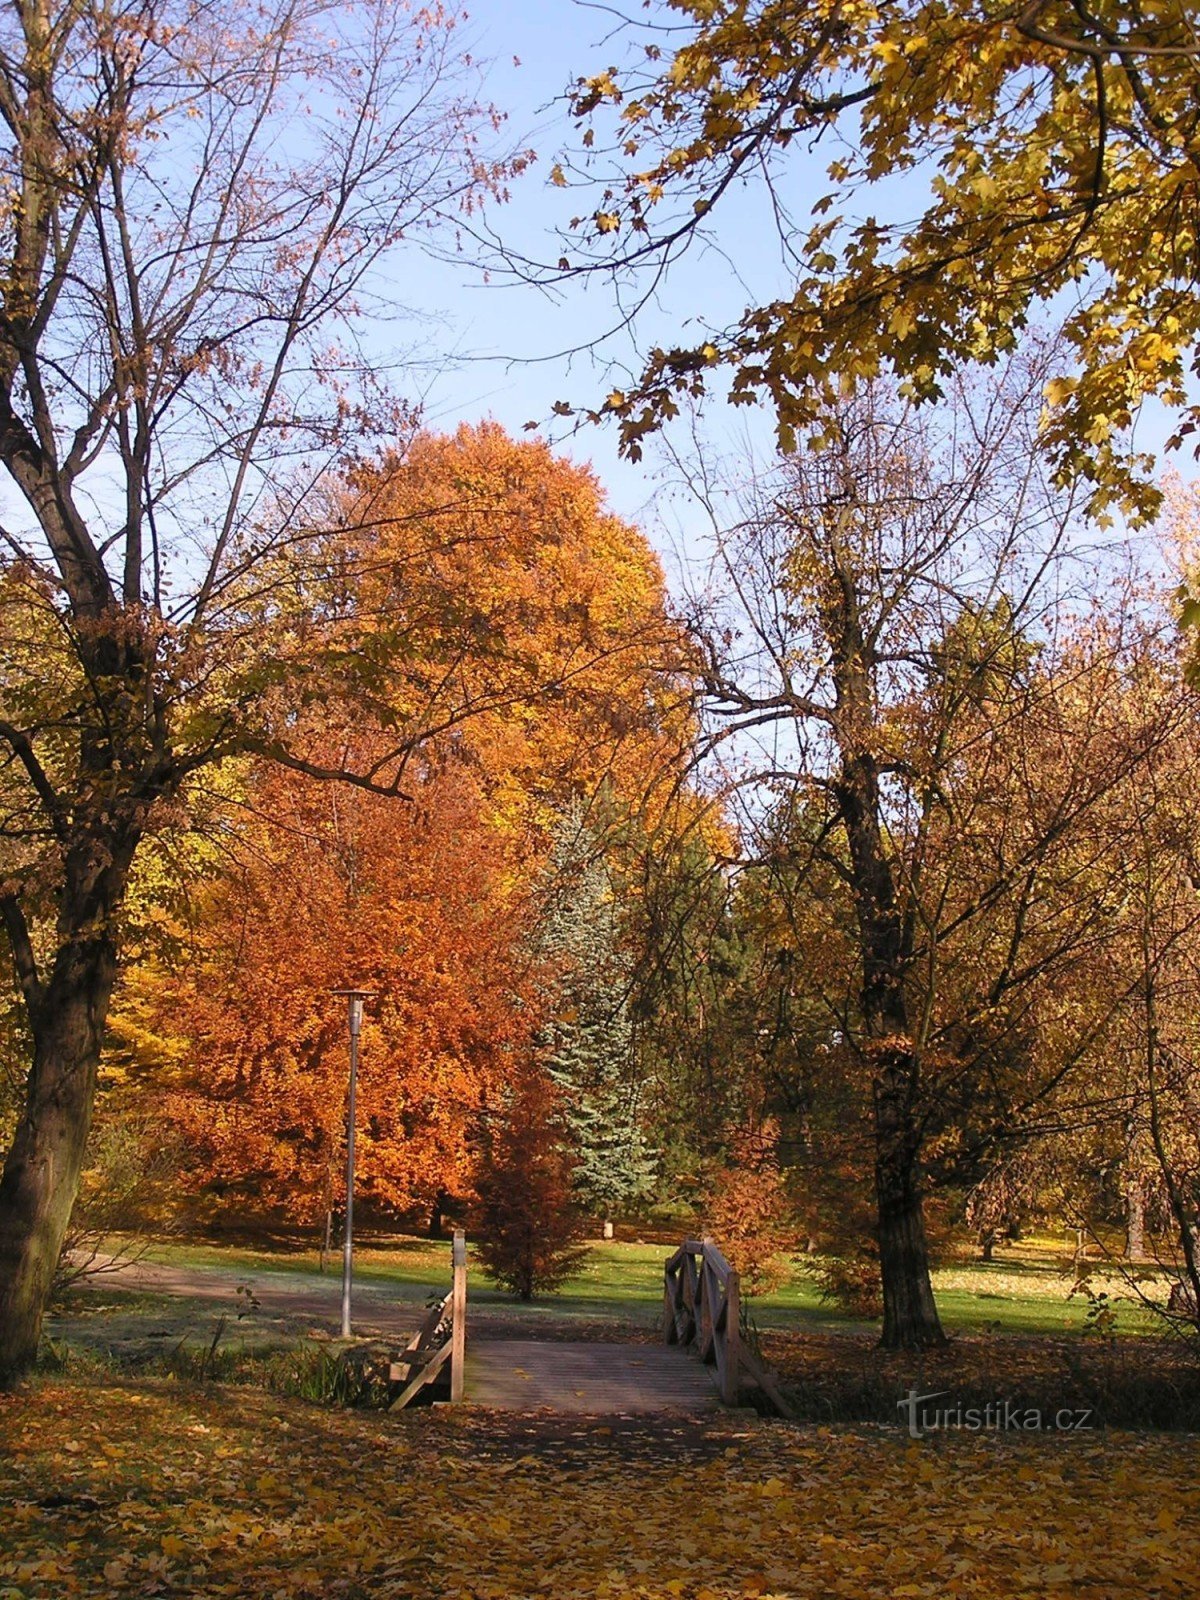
x: 701, y: 1363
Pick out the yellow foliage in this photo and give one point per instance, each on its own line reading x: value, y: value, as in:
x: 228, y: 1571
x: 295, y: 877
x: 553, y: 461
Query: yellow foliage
x: 235, y: 1493
x: 1061, y: 171
x: 576, y: 674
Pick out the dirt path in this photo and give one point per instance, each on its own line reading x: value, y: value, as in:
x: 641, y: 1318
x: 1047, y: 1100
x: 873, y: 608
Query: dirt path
x: 143, y: 1304
x: 292, y: 1296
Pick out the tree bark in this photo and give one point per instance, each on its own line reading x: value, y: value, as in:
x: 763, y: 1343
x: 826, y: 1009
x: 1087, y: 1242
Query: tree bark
x: 41, y: 1175
x: 910, y: 1316
x: 1135, y: 1220
x: 910, y: 1319
x: 67, y: 1017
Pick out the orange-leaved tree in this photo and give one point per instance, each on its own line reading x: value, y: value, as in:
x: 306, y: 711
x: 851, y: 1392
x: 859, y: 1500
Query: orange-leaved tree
x: 185, y: 255
x: 334, y: 887
x: 526, y: 1213
x: 527, y: 628
x: 562, y: 649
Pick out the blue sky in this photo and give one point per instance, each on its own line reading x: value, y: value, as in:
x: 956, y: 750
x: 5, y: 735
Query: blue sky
x: 507, y: 345
x: 497, y: 348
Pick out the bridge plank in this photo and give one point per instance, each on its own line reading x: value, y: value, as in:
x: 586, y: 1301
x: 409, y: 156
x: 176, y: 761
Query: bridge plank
x: 599, y: 1379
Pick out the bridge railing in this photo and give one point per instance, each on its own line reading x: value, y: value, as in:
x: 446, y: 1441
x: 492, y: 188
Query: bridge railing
x: 702, y: 1309
x: 441, y: 1338
x: 702, y: 1312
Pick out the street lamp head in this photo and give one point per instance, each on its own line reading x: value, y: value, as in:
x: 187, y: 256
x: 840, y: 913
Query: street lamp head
x: 355, y: 998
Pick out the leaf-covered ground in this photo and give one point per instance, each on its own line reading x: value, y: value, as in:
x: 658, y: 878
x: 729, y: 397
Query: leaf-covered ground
x: 172, y: 1491
x: 1125, y: 1383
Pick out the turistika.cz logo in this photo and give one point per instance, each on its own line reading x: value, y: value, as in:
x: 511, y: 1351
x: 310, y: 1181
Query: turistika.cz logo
x: 997, y: 1416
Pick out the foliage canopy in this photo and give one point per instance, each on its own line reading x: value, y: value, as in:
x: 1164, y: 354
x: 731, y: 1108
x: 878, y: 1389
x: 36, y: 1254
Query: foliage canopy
x: 1058, y: 146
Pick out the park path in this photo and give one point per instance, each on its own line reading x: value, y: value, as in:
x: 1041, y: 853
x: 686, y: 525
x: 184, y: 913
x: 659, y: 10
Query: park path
x: 296, y: 1297
x: 301, y: 1301
x: 518, y: 1360
x: 598, y: 1379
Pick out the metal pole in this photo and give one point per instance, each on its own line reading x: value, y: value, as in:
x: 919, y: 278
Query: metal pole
x: 356, y: 1011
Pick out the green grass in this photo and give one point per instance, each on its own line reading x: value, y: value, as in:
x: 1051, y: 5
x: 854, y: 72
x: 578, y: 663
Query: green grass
x: 413, y: 1262
x: 1025, y: 1290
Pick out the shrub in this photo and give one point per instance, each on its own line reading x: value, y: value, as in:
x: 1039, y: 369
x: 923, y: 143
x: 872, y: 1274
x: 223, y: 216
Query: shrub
x: 851, y: 1281
x: 746, y: 1209
x: 838, y: 1205
x: 124, y: 1197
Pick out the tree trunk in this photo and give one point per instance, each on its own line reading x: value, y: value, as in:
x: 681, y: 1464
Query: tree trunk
x: 41, y: 1174
x: 910, y: 1317
x: 1135, y: 1220
x: 67, y: 1017
x: 437, y: 1215
x: 987, y: 1245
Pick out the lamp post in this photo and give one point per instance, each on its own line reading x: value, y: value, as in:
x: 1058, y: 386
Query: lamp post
x: 354, y: 1001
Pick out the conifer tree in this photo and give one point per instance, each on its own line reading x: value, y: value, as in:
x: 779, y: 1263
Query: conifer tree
x: 587, y: 1036
x: 525, y: 1214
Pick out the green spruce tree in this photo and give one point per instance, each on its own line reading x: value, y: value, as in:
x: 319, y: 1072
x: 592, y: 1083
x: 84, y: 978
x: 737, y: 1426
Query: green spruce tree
x: 587, y: 1038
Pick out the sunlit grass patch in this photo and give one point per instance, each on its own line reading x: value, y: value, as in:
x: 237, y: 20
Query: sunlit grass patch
x: 1026, y: 1289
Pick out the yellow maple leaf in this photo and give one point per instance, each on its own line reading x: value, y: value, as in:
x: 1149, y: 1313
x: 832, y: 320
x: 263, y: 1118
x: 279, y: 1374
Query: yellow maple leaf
x: 1059, y: 390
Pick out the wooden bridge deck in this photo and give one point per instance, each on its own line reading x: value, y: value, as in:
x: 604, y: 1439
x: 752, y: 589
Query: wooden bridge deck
x: 601, y: 1379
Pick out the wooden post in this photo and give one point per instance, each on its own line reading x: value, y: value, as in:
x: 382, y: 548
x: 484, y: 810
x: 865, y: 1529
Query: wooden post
x: 689, y: 1287
x: 458, y: 1315
x: 733, y: 1330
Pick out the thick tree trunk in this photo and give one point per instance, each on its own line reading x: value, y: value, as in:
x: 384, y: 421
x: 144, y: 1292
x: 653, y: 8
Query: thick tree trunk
x: 67, y: 1016
x: 910, y: 1317
x: 41, y: 1174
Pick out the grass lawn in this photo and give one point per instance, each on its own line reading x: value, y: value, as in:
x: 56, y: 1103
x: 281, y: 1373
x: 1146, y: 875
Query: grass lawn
x: 1026, y: 1290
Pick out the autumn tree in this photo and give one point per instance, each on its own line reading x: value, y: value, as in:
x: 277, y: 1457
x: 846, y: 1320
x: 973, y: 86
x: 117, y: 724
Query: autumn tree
x: 490, y: 579
x: 526, y: 1213
x: 1058, y: 149
x: 329, y: 886
x: 517, y: 596
x: 195, y: 210
x: 1142, y: 1090
x: 945, y: 745
x: 745, y: 1207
